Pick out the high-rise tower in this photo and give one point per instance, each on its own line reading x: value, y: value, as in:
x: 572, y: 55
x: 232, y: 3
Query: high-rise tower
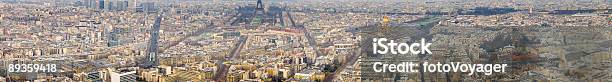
x: 259, y: 13
x: 259, y: 4
x: 101, y: 4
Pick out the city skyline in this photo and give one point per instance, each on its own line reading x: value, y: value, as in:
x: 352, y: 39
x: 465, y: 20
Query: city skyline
x: 302, y: 40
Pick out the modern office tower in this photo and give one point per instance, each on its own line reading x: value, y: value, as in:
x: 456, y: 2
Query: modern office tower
x: 133, y: 4
x: 90, y: 4
x: 93, y: 4
x: 101, y: 4
x: 78, y: 3
x: 148, y: 7
x: 110, y: 5
x: 125, y: 5
x: 86, y: 3
x: 122, y: 5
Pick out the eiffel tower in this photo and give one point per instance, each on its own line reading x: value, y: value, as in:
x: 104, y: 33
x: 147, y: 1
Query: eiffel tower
x: 259, y: 9
x: 259, y: 5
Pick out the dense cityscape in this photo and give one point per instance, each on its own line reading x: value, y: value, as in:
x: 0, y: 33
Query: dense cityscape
x: 300, y: 40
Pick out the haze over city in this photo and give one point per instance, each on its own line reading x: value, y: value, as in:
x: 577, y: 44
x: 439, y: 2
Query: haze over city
x: 301, y: 40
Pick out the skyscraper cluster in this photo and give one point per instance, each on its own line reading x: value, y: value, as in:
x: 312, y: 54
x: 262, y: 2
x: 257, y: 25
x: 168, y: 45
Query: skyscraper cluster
x: 109, y: 5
